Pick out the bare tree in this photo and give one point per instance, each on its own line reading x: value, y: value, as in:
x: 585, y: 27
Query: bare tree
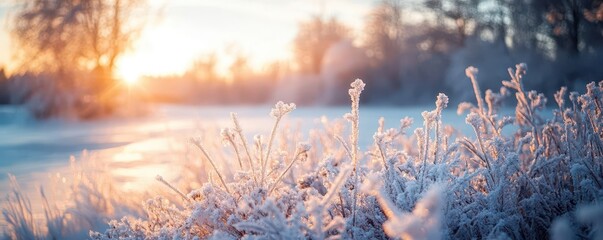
x: 570, y: 27
x: 67, y: 34
x: 383, y: 31
x: 67, y: 38
x: 239, y: 69
x: 204, y: 69
x: 459, y: 14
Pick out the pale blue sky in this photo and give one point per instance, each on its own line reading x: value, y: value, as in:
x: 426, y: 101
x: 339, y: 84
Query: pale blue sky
x: 260, y: 29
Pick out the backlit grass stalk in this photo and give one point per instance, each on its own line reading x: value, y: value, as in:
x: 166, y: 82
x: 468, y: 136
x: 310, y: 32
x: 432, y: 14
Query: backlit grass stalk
x: 318, y: 209
x: 428, y: 118
x: 471, y: 72
x: 211, y: 161
x: 345, y: 146
x: 160, y: 179
x: 18, y: 213
x: 474, y: 120
x: 302, y: 150
x: 228, y: 136
x: 54, y: 218
x: 278, y: 112
x: 239, y: 130
x: 380, y: 141
x: 441, y: 104
x: 354, y: 117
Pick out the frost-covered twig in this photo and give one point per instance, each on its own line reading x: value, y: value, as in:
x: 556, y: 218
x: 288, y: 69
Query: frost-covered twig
x: 354, y: 117
x: 317, y: 207
x: 301, y: 151
x: 471, y: 72
x: 278, y: 112
x: 161, y: 180
x: 239, y: 130
x: 441, y: 104
x: 211, y: 161
x: 228, y: 136
x: 345, y: 146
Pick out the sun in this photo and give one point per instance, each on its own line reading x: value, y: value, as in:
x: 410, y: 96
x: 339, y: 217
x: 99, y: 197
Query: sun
x: 128, y: 75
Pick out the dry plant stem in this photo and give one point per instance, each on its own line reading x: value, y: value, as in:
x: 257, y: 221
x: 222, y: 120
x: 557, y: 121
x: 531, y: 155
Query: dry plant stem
x: 425, y: 153
x: 480, y: 100
x: 355, y: 197
x: 345, y: 146
x: 239, y: 130
x: 334, y: 189
x: 478, y: 94
x: 381, y: 152
x: 265, y: 159
x: 237, y: 152
x: 341, y: 204
x: 20, y: 214
x: 481, y: 146
x: 343, y: 175
x: 437, y: 139
x: 160, y: 179
x: 355, y: 132
x: 426, y: 143
x: 522, y: 99
x: 259, y: 156
x: 255, y: 179
x: 280, y: 177
x: 211, y: 161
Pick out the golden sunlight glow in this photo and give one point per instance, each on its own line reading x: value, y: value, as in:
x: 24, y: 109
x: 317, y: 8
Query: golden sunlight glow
x: 160, y: 51
x: 170, y: 46
x: 127, y: 76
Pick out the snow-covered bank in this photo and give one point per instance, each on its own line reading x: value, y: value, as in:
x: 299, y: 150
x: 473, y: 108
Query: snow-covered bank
x: 521, y: 176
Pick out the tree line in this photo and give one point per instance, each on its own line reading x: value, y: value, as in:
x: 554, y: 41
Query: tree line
x: 407, y: 50
x: 410, y: 51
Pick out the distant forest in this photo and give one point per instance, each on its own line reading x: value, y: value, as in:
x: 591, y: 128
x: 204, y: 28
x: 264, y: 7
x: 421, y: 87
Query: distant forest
x: 407, y: 53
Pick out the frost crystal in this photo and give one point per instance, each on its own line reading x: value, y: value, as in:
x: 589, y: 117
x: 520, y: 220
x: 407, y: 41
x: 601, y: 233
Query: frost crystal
x: 349, y: 117
x: 235, y: 120
x: 442, y: 101
x: 471, y: 71
x: 429, y: 116
x: 280, y: 109
x: 303, y: 147
x: 405, y: 123
x: 473, y: 119
x: 228, y: 134
x: 522, y: 67
x: 357, y: 88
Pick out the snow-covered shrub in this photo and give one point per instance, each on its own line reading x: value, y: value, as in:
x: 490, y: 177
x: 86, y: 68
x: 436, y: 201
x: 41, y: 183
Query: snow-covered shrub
x: 43, y: 94
x: 70, y: 94
x: 430, y: 184
x: 524, y: 176
x: 257, y: 203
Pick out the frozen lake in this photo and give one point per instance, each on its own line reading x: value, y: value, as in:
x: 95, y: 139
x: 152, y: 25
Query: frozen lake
x: 137, y: 149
